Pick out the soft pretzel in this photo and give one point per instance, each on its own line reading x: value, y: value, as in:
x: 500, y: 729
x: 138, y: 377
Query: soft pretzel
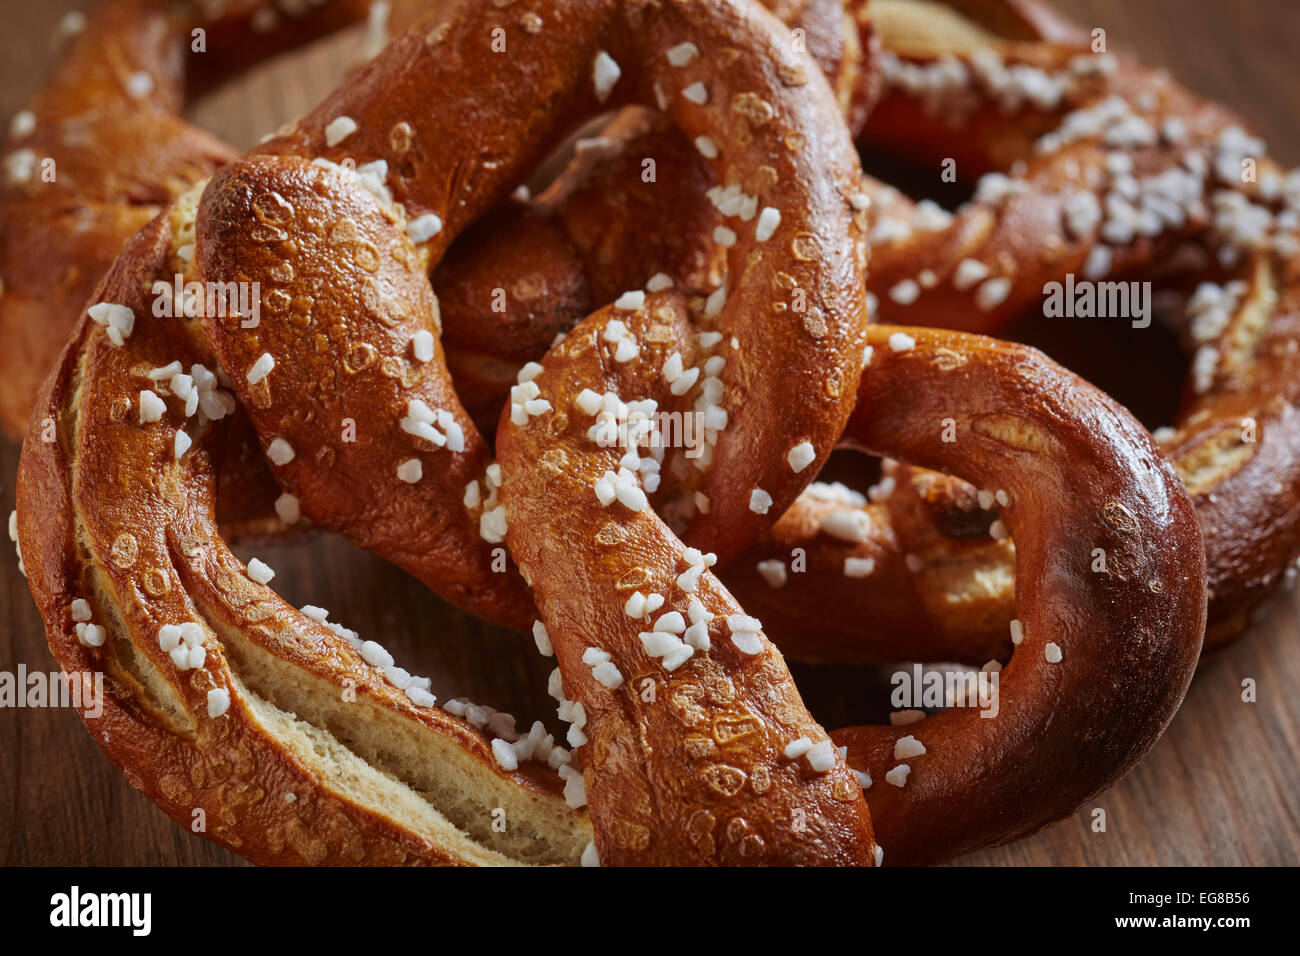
x: 349, y: 329
x: 625, y: 560
x: 1001, y: 88
x: 102, y: 148
x: 117, y: 514
x: 1080, y: 475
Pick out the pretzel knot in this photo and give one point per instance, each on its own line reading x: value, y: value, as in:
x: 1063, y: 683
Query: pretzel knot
x: 306, y: 743
x: 1087, y: 171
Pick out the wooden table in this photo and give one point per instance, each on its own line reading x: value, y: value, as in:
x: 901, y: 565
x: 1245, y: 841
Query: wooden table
x: 1221, y: 787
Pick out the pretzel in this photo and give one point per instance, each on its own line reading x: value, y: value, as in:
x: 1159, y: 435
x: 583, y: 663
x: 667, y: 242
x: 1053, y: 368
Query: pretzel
x: 939, y: 584
x: 195, y: 633
x: 283, y: 653
x: 107, y: 127
x: 1080, y: 475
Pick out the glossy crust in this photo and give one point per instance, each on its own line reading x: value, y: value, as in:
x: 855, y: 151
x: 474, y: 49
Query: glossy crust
x: 1234, y: 441
x: 705, y: 778
x: 1246, y: 490
x: 1079, y: 475
x: 683, y: 766
x: 260, y: 732
x: 345, y: 373
x: 598, y: 229
x: 110, y: 516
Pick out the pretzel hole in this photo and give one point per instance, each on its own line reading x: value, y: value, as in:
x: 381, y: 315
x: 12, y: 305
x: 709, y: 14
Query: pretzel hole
x: 553, y: 164
x: 915, y: 182
x: 1143, y: 369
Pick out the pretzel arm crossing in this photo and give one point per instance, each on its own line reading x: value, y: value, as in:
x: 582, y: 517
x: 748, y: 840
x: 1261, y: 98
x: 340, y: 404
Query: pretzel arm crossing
x: 823, y: 354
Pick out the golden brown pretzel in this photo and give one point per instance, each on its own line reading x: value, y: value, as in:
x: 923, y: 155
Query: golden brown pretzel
x: 558, y: 470
x: 349, y: 316
x: 1045, y: 430
x: 102, y: 148
x: 1235, y: 441
x: 1102, y: 662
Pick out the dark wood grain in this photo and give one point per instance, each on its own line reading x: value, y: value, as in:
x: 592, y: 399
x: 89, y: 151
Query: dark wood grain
x: 1221, y: 787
